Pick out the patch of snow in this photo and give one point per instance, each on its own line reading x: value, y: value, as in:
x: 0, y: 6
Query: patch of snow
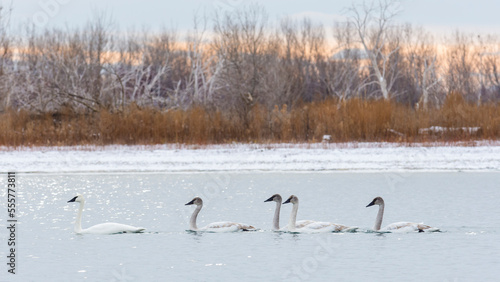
x: 475, y: 156
x: 396, y: 132
x: 439, y: 129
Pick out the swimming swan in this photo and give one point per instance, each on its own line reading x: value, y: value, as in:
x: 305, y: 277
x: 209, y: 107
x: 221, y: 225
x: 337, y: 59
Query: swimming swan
x: 276, y: 220
x: 401, y: 226
x: 316, y: 226
x: 103, y: 228
x: 222, y: 226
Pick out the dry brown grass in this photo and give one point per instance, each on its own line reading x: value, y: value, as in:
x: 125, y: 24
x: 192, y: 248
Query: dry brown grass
x: 353, y: 120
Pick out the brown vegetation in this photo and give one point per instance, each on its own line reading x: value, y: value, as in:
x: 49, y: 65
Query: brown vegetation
x: 352, y: 120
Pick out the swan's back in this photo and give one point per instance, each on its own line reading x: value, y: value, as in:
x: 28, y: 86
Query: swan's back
x: 299, y: 224
x: 227, y: 226
x: 303, y: 223
x: 408, y: 227
x: 324, y: 227
x: 112, y: 228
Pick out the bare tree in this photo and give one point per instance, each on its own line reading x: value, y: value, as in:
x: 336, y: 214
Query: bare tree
x: 489, y: 68
x: 421, y: 56
x: 342, y: 71
x: 238, y: 42
x: 6, y: 59
x: 461, y: 62
x: 301, y: 50
x: 378, y: 37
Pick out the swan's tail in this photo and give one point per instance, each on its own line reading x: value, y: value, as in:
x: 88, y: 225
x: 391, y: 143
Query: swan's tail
x: 248, y: 228
x: 138, y: 230
x: 426, y: 228
x: 351, y: 229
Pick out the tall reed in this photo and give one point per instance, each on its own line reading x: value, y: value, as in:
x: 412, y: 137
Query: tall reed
x: 351, y: 120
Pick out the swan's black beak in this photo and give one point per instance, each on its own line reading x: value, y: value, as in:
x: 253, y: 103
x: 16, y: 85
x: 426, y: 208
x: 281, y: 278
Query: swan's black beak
x: 287, y: 201
x: 190, y: 203
x: 371, y: 204
x: 72, y: 200
x: 270, y: 199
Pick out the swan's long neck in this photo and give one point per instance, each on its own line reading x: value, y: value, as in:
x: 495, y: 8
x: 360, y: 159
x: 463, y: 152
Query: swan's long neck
x: 78, y: 222
x: 192, y: 221
x: 380, y: 215
x: 293, y: 216
x: 276, y: 219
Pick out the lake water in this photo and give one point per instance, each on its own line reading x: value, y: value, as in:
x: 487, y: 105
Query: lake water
x: 465, y: 205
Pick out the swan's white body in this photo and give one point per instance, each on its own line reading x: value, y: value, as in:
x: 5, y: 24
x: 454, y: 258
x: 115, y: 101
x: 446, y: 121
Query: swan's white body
x: 298, y: 224
x: 221, y: 226
x: 314, y: 226
x: 109, y: 228
x: 276, y: 219
x: 407, y: 227
x: 103, y: 228
x: 397, y: 226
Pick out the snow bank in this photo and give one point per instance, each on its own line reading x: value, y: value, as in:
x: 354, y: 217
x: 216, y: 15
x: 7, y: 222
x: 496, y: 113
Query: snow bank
x: 247, y: 157
x: 439, y: 129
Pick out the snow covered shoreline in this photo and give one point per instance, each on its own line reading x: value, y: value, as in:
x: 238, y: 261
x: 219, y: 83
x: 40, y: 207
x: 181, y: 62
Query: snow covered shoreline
x: 360, y: 157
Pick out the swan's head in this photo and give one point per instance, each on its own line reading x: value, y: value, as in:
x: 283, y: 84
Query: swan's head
x: 275, y: 198
x: 196, y: 201
x: 377, y: 201
x: 292, y: 199
x: 77, y: 198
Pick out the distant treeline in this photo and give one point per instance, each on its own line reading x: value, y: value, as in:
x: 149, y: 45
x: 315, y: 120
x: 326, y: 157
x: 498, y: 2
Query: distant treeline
x: 211, y: 84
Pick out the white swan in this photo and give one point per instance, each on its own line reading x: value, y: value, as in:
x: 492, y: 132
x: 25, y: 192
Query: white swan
x: 103, y: 228
x: 316, y: 226
x: 222, y: 226
x: 397, y: 226
x: 276, y: 220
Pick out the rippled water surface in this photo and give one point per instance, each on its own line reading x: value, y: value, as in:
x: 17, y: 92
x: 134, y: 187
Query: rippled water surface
x: 465, y: 206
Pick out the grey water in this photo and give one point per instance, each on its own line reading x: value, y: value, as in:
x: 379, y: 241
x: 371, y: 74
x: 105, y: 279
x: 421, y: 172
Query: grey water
x: 464, y: 205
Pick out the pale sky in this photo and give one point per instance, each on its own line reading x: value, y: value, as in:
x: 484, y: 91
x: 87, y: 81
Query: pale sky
x: 434, y: 15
